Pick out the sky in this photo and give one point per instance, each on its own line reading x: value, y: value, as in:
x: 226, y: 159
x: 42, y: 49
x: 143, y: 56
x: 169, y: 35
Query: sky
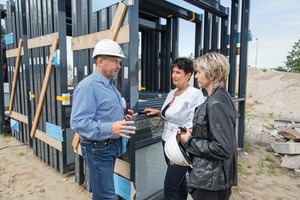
x: 275, y: 26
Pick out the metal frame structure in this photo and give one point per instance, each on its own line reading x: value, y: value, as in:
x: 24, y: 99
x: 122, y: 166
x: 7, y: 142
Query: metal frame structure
x: 156, y: 22
x: 2, y: 109
x: 45, y: 18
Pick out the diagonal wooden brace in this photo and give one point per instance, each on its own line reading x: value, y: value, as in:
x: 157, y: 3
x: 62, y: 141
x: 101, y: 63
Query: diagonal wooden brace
x: 16, y: 75
x: 44, y: 88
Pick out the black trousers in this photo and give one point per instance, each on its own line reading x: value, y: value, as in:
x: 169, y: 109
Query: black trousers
x: 175, y: 184
x: 198, y: 194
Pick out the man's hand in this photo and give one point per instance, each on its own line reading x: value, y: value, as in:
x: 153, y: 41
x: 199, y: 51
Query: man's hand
x: 129, y: 115
x: 120, y: 128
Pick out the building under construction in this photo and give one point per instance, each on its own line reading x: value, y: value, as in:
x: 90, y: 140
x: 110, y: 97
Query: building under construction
x: 48, y: 50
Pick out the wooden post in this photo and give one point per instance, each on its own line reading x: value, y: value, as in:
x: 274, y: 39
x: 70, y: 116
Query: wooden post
x: 44, y: 88
x: 16, y: 75
x: 117, y: 21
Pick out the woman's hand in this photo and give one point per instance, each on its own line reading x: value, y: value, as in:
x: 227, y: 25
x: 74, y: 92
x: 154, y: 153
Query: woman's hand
x: 185, y: 136
x: 152, y: 111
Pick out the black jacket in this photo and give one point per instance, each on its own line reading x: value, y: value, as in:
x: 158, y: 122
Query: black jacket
x: 213, y: 143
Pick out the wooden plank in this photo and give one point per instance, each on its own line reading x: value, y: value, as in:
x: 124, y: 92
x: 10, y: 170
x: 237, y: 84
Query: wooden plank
x: 122, y: 168
x: 90, y: 40
x: 290, y: 133
x: 19, y: 117
x: 75, y: 141
x: 118, y: 19
x: 78, y: 150
x: 44, y: 89
x: 49, y: 140
x: 16, y: 75
x: 44, y: 40
x: 286, y: 147
x: 13, y: 53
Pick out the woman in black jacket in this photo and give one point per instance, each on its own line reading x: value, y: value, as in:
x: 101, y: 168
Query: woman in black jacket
x: 211, y: 142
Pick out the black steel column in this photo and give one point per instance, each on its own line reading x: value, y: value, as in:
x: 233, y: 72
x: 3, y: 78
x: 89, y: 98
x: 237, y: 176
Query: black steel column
x: 2, y: 110
x: 224, y: 32
x: 198, y: 39
x: 233, y: 48
x: 215, y: 33
x: 207, y: 32
x: 26, y: 63
x: 243, y: 69
x: 133, y: 59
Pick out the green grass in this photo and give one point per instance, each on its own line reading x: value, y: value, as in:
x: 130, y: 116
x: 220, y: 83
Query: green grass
x: 20, y: 154
x: 269, y: 164
x: 256, y: 102
x: 242, y: 170
x: 5, y: 134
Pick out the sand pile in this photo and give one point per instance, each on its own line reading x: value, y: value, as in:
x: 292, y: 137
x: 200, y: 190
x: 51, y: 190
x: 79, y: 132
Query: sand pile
x: 270, y: 95
x: 274, y: 93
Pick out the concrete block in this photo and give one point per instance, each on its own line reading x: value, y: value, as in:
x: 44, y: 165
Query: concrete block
x: 286, y: 147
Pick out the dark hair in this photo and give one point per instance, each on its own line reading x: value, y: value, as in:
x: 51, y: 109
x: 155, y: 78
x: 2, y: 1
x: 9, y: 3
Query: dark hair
x: 184, y: 64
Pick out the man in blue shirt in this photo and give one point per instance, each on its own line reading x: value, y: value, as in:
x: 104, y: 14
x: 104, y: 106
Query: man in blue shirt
x: 98, y: 117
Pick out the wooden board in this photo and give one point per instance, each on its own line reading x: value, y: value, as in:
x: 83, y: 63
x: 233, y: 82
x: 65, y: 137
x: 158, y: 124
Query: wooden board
x: 118, y: 19
x: 90, y: 40
x: 42, y: 41
x: 16, y: 75
x: 13, y: 53
x: 122, y: 168
x: 19, y: 117
x: 49, y: 140
x: 44, y: 89
x: 75, y: 141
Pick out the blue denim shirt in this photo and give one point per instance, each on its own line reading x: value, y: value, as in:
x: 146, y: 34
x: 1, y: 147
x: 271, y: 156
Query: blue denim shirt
x: 96, y: 105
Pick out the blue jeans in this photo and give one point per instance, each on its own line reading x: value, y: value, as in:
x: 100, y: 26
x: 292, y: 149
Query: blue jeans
x: 100, y: 157
x: 175, y: 184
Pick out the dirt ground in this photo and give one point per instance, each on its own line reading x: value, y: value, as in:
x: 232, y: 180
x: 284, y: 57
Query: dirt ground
x: 269, y: 94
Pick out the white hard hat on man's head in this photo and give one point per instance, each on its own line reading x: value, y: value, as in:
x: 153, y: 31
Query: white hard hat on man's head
x: 176, y: 152
x: 108, y: 47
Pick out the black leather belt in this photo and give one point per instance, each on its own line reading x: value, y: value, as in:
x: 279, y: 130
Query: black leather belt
x: 110, y: 140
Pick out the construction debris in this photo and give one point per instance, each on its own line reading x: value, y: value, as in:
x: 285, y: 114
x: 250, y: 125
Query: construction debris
x: 286, y: 147
x: 288, y: 129
x: 291, y: 161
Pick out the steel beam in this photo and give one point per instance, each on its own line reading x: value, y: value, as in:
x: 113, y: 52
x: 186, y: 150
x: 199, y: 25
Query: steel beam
x: 211, y: 6
x: 243, y: 69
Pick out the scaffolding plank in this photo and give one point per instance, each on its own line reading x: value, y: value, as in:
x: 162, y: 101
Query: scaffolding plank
x: 122, y: 168
x: 90, y: 40
x: 19, y: 117
x: 49, y: 140
x: 13, y: 53
x: 44, y: 40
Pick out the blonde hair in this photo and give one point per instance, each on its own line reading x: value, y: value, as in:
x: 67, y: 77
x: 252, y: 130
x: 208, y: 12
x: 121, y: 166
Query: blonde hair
x: 214, y: 65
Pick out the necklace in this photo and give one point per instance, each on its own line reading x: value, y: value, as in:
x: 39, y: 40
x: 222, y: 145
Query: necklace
x: 177, y: 93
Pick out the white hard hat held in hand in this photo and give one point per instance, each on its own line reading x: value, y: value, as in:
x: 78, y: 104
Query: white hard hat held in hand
x: 175, y: 152
x: 108, y: 47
